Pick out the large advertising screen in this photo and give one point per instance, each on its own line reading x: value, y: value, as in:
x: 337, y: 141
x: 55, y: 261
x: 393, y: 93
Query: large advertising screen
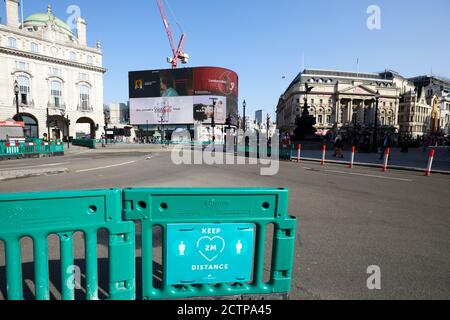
x: 182, y: 96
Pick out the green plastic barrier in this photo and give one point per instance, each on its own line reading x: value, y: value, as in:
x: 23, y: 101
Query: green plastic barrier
x: 231, y: 225
x: 259, y: 207
x: 84, y: 143
x: 10, y: 151
x: 64, y: 213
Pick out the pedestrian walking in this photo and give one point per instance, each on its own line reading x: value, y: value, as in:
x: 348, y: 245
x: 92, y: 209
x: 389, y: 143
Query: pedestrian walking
x: 338, y: 147
x: 103, y: 141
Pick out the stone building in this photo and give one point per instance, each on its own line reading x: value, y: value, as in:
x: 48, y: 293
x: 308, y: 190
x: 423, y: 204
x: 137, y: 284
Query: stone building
x: 60, y: 77
x: 436, y: 92
x: 340, y: 100
x: 344, y: 101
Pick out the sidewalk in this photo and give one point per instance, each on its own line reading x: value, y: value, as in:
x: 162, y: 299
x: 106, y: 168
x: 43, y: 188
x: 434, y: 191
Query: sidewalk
x: 415, y: 159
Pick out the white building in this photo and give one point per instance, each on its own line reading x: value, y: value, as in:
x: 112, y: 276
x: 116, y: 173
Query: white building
x: 60, y: 77
x: 436, y: 91
x: 340, y: 100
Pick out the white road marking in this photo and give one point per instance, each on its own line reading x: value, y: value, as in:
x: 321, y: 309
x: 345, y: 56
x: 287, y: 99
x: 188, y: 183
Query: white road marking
x: 33, y: 167
x: 107, y: 167
x: 369, y: 175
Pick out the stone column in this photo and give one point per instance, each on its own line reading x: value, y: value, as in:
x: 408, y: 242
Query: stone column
x: 338, y: 112
x: 350, y: 111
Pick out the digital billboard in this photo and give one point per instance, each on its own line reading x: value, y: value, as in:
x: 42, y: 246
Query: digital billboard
x: 182, y: 96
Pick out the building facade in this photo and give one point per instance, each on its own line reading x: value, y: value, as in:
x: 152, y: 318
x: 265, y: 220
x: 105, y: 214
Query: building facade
x: 340, y: 100
x: 346, y: 101
x: 436, y: 93
x: 60, y: 78
x: 117, y: 117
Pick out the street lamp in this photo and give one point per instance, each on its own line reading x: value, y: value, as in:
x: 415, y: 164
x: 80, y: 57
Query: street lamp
x: 213, y: 121
x: 245, y: 121
x: 268, y: 125
x: 16, y: 93
x: 375, y: 131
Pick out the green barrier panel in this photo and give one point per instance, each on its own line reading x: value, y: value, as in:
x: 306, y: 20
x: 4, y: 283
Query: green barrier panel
x: 84, y: 143
x: 172, y: 208
x: 57, y: 148
x: 63, y: 213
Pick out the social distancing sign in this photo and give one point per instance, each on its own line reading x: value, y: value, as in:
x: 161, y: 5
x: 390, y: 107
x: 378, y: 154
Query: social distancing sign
x: 209, y: 253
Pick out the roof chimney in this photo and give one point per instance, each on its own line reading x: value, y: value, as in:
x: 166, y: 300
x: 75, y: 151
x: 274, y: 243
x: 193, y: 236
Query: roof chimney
x: 12, y: 13
x: 81, y: 30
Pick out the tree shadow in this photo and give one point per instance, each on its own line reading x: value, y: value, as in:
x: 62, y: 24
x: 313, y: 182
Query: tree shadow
x: 80, y: 294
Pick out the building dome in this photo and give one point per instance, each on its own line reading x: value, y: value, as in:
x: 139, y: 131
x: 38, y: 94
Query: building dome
x: 42, y: 19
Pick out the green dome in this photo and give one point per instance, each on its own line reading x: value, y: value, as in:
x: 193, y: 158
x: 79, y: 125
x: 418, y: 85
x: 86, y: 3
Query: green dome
x: 41, y: 19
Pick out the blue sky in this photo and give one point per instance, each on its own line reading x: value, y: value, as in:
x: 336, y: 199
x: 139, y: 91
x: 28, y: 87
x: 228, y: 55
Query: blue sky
x: 265, y: 40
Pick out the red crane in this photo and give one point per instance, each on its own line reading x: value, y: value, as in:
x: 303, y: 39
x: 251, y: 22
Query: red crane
x: 177, y: 52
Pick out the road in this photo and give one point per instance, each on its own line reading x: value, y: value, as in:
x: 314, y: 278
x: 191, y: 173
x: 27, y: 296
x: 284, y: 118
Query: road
x: 348, y: 219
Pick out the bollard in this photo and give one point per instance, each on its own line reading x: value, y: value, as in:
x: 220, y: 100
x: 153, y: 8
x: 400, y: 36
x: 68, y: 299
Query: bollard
x: 387, y: 152
x: 299, y: 153
x: 324, y: 152
x: 352, y: 157
x: 430, y: 162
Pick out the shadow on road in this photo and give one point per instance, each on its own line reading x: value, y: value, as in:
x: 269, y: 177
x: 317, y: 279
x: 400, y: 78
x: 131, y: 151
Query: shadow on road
x: 80, y: 294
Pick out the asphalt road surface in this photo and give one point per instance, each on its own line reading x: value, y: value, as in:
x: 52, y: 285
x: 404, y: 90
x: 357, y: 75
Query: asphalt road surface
x: 348, y: 220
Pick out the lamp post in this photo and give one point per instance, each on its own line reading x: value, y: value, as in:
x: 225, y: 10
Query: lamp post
x: 268, y: 126
x: 16, y: 93
x: 48, y: 124
x: 245, y: 120
x: 147, y: 134
x: 68, y: 132
x: 375, y: 131
x: 213, y: 122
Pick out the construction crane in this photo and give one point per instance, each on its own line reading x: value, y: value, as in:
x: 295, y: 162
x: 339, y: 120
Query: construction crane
x: 178, y: 54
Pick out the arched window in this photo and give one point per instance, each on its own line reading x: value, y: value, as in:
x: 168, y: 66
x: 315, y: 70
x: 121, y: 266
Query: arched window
x: 24, y: 86
x: 85, y: 97
x: 31, y: 126
x: 56, y: 93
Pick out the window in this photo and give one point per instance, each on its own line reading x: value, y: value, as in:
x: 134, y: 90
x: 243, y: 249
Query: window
x: 89, y: 60
x: 34, y: 47
x: 55, y: 72
x: 56, y: 93
x: 321, y: 101
x: 84, y: 97
x: 24, y: 86
x: 22, y: 65
x: 312, y: 101
x: 12, y: 42
x: 389, y: 121
x: 72, y: 56
x: 382, y: 121
x: 320, y: 119
x: 328, y: 119
x: 54, y: 50
x: 84, y: 77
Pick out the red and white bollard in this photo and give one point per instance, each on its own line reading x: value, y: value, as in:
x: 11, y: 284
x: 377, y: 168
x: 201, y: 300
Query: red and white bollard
x: 352, y: 157
x: 299, y: 152
x: 324, y: 154
x: 430, y: 163
x: 387, y: 152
